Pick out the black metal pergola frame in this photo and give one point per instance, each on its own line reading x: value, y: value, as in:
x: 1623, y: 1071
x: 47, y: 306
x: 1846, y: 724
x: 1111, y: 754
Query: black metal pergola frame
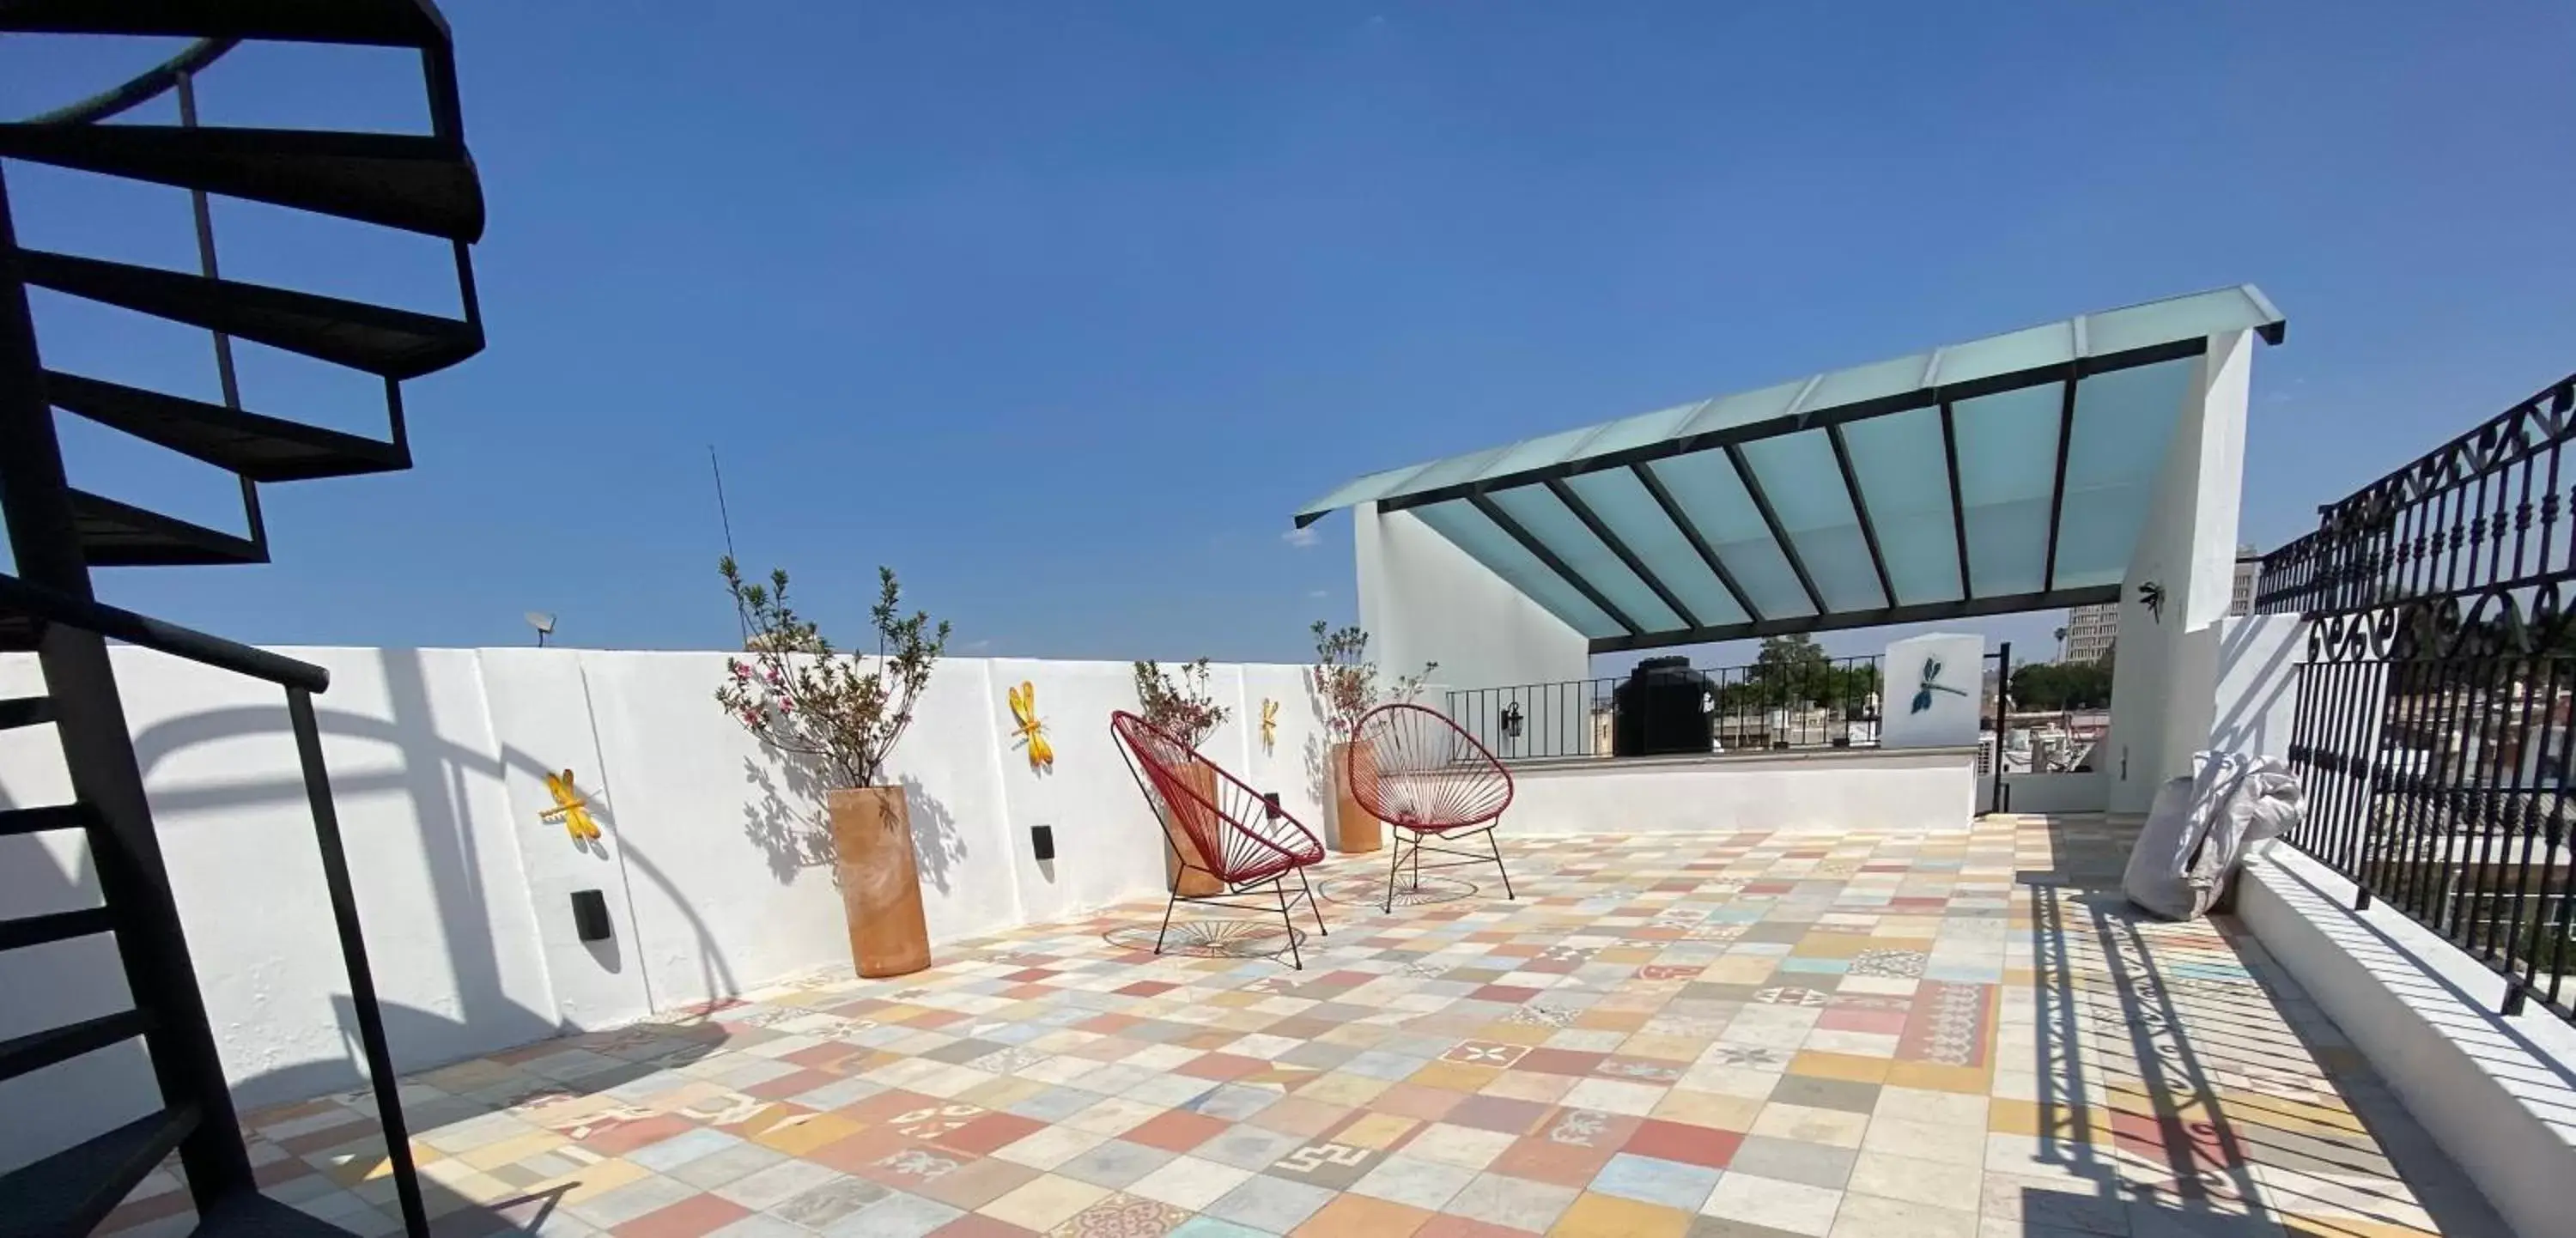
x: 1931, y: 392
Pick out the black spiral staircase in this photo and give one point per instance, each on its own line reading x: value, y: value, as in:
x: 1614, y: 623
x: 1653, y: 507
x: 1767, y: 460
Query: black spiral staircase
x: 419, y: 184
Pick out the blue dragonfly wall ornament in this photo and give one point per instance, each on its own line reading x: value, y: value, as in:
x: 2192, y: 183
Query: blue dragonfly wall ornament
x: 1931, y: 684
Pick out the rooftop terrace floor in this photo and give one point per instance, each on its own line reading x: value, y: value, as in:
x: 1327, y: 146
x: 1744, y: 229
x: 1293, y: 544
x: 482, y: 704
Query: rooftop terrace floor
x: 1727, y: 1034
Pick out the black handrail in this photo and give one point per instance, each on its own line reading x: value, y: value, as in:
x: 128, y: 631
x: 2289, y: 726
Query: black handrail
x: 20, y: 597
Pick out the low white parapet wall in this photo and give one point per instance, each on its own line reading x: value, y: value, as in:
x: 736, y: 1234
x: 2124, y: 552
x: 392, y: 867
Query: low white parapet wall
x: 1815, y: 790
x: 714, y: 874
x: 2498, y: 1094
x: 2048, y: 795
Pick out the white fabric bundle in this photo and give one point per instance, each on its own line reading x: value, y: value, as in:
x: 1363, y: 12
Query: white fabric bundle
x: 2201, y: 825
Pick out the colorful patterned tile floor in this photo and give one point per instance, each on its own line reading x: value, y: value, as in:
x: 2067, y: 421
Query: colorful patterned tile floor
x: 1730, y: 1034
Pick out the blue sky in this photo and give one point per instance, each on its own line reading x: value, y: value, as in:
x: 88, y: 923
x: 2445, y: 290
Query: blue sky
x: 1061, y: 310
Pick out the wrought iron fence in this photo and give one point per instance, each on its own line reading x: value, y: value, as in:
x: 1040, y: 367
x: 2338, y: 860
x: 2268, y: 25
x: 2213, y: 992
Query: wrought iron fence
x: 2433, y: 723
x: 1666, y: 707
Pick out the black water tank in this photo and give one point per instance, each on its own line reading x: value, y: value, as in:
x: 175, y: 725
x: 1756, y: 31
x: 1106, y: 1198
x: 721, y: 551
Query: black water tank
x: 1659, y: 710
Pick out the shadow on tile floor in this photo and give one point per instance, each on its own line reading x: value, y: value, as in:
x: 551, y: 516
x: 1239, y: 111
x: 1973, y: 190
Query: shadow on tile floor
x: 2182, y: 1084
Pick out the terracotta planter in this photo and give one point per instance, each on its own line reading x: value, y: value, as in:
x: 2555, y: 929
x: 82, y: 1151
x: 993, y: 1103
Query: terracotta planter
x: 1354, y: 830
x: 880, y: 883
x: 1194, y: 882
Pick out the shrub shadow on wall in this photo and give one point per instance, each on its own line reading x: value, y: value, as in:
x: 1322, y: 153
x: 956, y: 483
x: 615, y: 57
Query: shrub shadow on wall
x: 784, y: 816
x: 431, y: 776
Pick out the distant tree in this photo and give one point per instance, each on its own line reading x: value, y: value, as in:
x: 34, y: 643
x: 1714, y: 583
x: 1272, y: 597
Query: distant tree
x: 1795, y: 671
x: 2061, y: 685
x: 1795, y: 652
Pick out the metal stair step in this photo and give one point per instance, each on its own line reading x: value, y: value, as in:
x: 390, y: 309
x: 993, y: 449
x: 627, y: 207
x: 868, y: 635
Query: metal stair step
x: 18, y: 711
x: 388, y: 23
x: 38, y: 820
x: 251, y: 445
x: 38, y: 1050
x: 258, y: 1216
x: 59, y: 926
x: 419, y: 184
x: 73, y: 1190
x: 117, y: 534
x: 393, y: 343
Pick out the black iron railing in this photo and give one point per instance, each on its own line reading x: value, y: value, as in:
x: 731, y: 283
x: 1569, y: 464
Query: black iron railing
x: 1666, y: 707
x: 2433, y: 723
x: 41, y: 606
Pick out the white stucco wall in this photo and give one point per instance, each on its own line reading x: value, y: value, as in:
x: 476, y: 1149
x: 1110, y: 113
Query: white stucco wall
x: 416, y: 777
x: 2257, y: 695
x: 2044, y: 794
x: 708, y: 862
x: 1824, y: 790
x: 1424, y: 600
x: 2163, y: 684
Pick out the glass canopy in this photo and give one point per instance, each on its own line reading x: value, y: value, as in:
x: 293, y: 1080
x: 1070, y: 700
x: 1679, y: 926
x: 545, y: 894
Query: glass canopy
x: 2010, y: 473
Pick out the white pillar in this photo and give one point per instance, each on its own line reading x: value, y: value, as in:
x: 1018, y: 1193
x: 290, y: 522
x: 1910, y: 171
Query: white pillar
x: 1423, y: 599
x: 2164, y: 684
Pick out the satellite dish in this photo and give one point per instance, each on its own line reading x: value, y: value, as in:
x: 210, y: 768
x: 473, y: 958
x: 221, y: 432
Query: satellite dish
x: 543, y: 623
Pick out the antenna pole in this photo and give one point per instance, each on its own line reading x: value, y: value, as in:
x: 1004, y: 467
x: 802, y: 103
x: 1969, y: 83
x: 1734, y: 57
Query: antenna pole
x: 741, y: 620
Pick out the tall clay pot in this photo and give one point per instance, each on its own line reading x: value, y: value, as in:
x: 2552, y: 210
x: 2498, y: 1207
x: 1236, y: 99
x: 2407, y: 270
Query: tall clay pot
x: 880, y: 882
x: 1354, y: 830
x: 1199, y: 881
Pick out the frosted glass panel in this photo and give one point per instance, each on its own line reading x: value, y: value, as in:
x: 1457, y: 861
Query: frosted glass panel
x: 2029, y: 349
x: 1906, y: 482
x: 1621, y: 501
x: 1486, y: 543
x: 1703, y: 484
x: 1536, y: 453
x: 1805, y: 486
x: 2124, y: 424
x: 1743, y: 409
x: 1455, y: 469
x: 1540, y: 515
x: 2007, y: 467
x: 2177, y: 318
x: 1642, y: 429
x: 1868, y: 382
x: 1351, y: 493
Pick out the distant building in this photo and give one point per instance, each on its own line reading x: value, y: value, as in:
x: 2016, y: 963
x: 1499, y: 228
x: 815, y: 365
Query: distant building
x: 2249, y: 577
x: 2090, y: 631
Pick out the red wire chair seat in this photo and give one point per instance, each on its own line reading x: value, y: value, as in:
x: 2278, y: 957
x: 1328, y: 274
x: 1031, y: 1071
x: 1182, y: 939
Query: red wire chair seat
x: 1420, y: 773
x: 1424, y: 773
x: 1242, y: 834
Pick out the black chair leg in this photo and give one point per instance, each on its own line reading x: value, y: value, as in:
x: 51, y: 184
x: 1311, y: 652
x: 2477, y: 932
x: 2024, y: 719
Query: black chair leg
x: 1311, y: 905
x: 1168, y: 904
x: 1395, y: 861
x: 1279, y: 886
x: 1498, y: 864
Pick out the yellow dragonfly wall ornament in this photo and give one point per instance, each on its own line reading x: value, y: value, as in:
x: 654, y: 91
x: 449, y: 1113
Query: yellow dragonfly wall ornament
x: 1269, y: 724
x: 571, y: 807
x: 1031, y: 732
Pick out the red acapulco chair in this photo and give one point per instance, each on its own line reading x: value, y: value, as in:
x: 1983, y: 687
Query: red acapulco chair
x: 1237, y: 835
x: 1420, y: 773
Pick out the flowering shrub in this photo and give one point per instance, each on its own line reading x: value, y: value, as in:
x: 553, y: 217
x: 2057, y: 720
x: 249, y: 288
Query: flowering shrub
x: 1179, y: 704
x: 841, y: 712
x: 1346, y: 681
